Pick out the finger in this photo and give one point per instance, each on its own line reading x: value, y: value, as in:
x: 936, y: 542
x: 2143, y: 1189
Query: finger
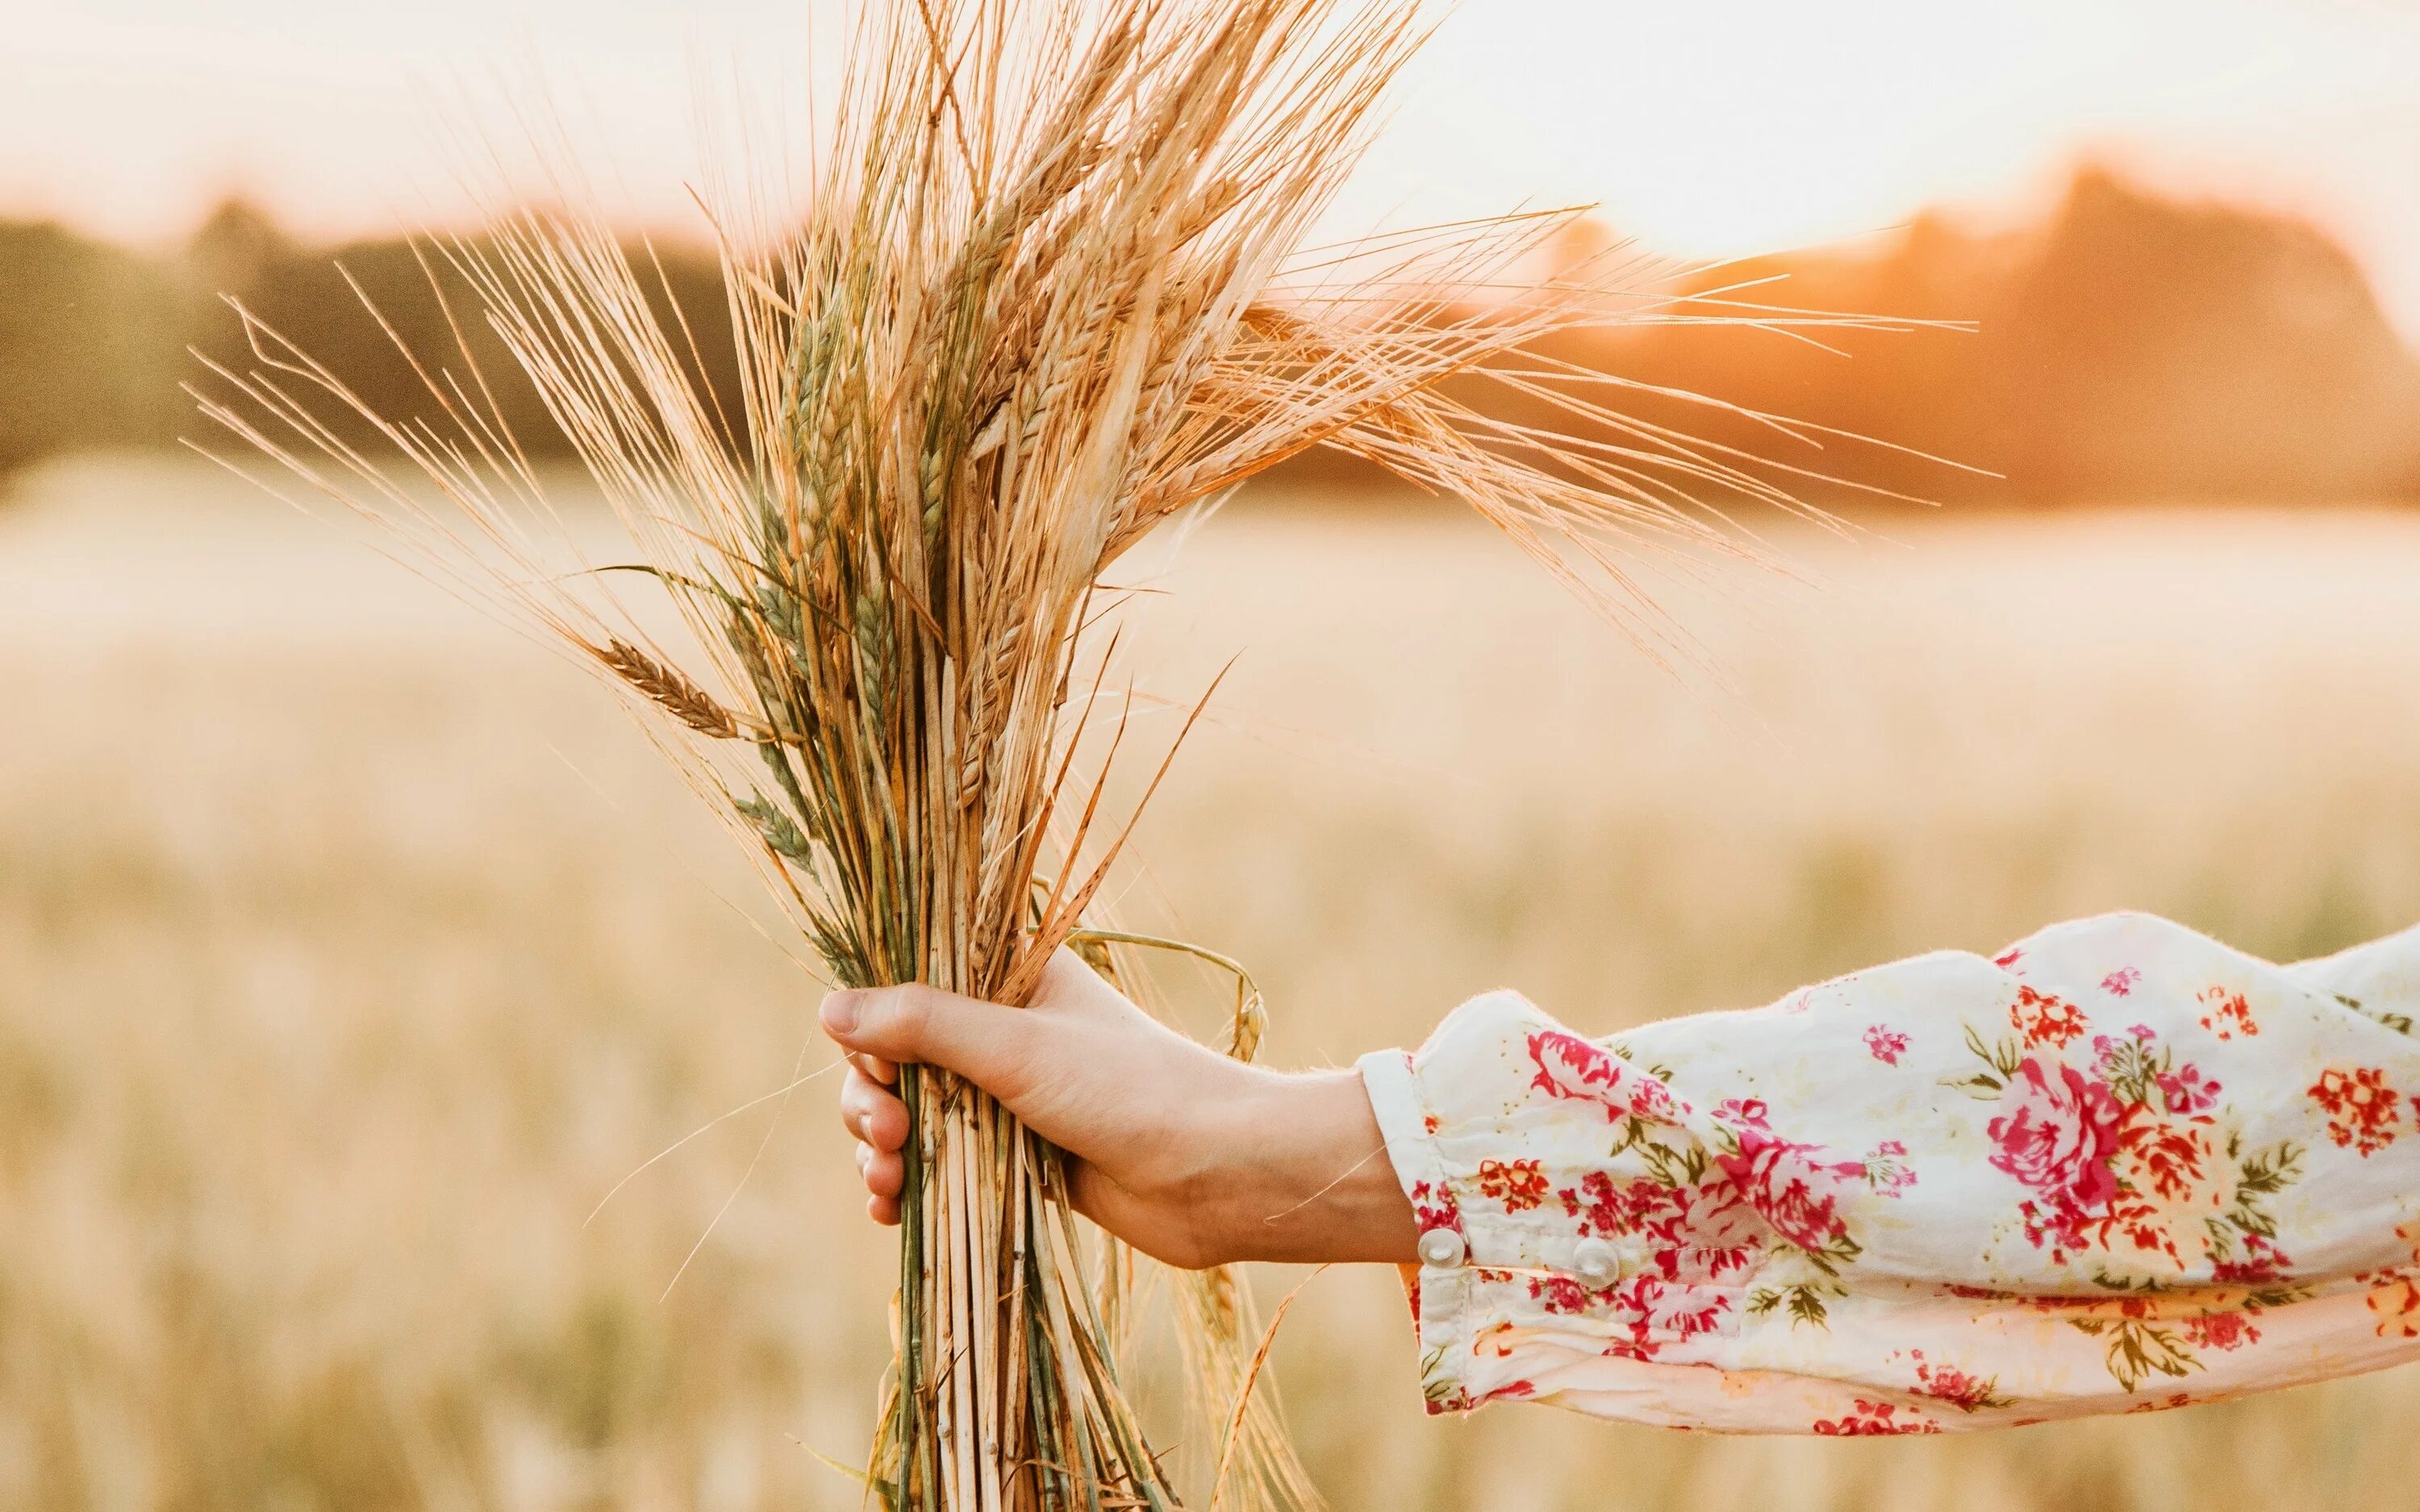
x: 871, y: 1112
x: 885, y: 1173
x: 992, y: 1046
x: 875, y: 1066
x: 856, y: 1101
x: 880, y: 1205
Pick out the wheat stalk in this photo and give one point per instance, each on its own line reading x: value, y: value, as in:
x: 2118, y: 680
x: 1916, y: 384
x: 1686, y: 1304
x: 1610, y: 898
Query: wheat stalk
x: 1049, y: 288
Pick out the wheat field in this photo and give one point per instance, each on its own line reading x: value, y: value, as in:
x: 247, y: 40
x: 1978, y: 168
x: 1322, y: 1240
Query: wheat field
x: 351, y: 950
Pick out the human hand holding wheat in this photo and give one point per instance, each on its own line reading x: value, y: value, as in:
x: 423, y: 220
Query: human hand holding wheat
x: 1190, y: 1156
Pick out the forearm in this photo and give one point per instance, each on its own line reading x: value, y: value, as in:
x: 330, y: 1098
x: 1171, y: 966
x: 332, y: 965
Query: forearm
x: 1306, y: 1177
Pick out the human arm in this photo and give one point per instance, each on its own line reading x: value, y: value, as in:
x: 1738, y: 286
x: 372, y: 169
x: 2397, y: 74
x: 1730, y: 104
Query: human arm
x: 2117, y: 1167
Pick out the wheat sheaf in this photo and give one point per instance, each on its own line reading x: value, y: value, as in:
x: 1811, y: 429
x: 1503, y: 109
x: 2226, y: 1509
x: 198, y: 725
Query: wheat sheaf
x: 1050, y: 285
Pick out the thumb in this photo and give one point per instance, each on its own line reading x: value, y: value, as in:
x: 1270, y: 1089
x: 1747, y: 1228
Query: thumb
x: 987, y: 1044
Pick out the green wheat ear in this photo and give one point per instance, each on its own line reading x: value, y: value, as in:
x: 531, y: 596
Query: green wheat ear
x: 779, y: 831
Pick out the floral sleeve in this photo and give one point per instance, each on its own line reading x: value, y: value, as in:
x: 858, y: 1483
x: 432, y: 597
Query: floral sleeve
x: 2119, y: 1168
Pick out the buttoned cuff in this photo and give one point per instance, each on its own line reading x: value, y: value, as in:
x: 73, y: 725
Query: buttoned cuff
x: 1405, y: 1125
x: 1440, y: 1287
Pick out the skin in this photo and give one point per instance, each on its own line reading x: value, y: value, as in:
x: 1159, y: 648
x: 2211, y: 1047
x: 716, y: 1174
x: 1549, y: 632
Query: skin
x: 1191, y: 1157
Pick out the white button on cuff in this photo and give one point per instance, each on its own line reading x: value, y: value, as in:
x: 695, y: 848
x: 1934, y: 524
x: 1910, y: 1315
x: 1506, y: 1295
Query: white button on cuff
x: 1596, y: 1262
x: 1442, y: 1249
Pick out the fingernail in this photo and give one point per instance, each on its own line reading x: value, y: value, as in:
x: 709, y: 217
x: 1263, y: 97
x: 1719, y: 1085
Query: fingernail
x: 841, y: 1013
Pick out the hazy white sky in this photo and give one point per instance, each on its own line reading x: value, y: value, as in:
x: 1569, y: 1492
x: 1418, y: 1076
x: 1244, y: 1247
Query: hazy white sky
x: 1705, y: 127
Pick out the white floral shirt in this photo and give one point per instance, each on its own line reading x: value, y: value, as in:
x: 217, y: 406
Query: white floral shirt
x: 2119, y: 1168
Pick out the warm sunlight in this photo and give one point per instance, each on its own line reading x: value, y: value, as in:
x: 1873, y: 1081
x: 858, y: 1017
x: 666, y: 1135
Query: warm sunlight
x: 1902, y: 512
x: 1708, y: 129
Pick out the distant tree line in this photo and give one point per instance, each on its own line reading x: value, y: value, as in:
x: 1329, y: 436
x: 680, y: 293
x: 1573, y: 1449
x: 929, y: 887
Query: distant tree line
x: 95, y: 341
x: 2127, y: 346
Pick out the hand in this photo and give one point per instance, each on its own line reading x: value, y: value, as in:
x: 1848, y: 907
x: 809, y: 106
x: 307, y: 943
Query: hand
x: 1189, y: 1156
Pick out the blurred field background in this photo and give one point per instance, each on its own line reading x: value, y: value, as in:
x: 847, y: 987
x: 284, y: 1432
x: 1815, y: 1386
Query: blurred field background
x: 352, y: 949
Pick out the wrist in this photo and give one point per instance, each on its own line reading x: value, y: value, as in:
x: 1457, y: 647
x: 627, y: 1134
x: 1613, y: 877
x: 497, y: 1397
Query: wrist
x: 1307, y: 1179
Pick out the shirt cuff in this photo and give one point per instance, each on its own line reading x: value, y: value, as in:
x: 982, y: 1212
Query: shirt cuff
x: 1440, y: 1287
x: 1410, y: 1134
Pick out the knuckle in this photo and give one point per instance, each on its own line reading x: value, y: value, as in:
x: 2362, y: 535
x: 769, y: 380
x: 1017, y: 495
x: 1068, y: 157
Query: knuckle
x: 911, y: 1009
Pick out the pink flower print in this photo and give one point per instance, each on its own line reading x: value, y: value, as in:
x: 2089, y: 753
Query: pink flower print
x: 1434, y: 1206
x: 1667, y: 1310
x: 2221, y: 1330
x: 1774, y: 1176
x: 1947, y: 1383
x: 2185, y: 1089
x: 1571, y: 1067
x: 1561, y: 1295
x: 1882, y: 1170
x: 1873, y: 1418
x: 2106, y: 1051
x: 1886, y: 1044
x: 2057, y: 1135
x: 1600, y: 1205
x: 1642, y: 1314
x: 1742, y: 1112
x: 1699, y: 1233
x: 2009, y: 962
x: 1715, y: 1231
x: 2121, y: 982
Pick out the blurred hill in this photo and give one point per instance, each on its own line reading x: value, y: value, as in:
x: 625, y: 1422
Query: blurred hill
x: 2126, y: 346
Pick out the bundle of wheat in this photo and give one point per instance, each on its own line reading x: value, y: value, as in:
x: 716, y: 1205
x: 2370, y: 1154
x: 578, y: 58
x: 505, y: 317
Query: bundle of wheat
x: 1048, y: 289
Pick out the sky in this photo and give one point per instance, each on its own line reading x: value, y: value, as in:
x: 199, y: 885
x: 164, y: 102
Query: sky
x: 1705, y: 129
